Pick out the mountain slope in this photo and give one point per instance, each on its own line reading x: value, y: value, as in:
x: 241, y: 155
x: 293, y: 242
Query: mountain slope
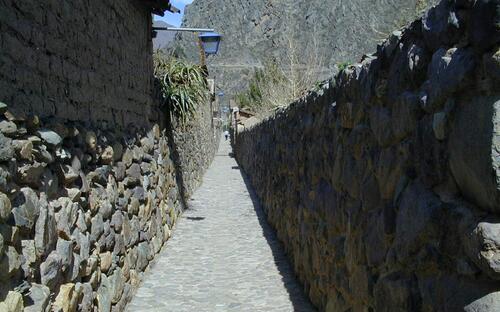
x: 313, y: 33
x: 163, y: 38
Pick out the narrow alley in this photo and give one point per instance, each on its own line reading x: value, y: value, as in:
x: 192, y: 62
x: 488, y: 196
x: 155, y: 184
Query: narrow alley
x: 223, y: 255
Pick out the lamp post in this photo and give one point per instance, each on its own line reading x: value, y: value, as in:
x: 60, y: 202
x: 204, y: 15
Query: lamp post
x: 186, y: 29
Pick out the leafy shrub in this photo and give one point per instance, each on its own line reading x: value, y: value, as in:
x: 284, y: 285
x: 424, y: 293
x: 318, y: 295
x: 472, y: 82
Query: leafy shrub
x: 183, y: 86
x: 273, y: 86
x: 284, y: 80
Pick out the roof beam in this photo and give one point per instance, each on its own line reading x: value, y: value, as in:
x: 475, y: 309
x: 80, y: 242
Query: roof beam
x: 159, y: 7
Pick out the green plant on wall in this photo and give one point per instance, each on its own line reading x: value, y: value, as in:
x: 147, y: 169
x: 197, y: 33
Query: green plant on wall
x: 252, y: 97
x: 421, y: 6
x: 344, y: 65
x: 183, y: 86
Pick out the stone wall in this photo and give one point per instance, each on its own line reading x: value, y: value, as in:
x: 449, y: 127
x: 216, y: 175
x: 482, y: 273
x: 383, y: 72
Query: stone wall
x: 84, y: 210
x: 78, y: 60
x: 385, y: 185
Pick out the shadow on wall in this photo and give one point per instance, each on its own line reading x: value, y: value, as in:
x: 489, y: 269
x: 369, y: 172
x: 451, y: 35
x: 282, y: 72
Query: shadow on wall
x: 179, y: 177
x: 193, y: 144
x: 169, y: 128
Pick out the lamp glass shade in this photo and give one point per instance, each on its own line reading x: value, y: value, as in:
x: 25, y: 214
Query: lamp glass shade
x: 210, y: 42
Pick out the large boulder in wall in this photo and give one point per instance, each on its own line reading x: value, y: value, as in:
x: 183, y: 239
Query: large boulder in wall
x: 475, y: 150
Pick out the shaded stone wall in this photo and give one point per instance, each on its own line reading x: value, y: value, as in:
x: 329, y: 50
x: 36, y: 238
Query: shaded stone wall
x: 78, y: 60
x: 385, y: 185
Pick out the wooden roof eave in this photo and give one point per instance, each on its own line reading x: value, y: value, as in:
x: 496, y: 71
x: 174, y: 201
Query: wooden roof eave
x: 159, y: 7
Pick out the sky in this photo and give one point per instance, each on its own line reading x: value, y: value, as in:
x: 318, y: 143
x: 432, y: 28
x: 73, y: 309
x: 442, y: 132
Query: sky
x: 174, y: 19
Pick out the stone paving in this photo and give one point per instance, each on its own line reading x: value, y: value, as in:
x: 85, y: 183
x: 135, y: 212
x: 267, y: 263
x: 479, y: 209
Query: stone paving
x: 223, y: 256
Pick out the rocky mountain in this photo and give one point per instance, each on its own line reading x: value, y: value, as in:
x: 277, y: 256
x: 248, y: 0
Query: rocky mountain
x: 163, y: 38
x: 313, y: 33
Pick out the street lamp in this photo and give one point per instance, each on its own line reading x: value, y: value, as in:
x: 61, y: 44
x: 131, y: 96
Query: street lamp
x: 210, y: 42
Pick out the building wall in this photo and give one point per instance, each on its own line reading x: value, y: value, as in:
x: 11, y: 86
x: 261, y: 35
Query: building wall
x: 78, y: 60
x: 385, y: 185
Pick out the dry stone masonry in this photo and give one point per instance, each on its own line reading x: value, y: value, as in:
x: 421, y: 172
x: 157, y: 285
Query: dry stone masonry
x: 385, y: 185
x: 84, y: 210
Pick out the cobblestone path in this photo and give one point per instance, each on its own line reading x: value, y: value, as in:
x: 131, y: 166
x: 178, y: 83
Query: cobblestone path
x: 223, y: 256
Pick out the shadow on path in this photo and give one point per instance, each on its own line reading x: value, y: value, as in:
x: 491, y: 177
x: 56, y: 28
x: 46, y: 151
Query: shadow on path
x: 223, y: 255
x: 293, y: 286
